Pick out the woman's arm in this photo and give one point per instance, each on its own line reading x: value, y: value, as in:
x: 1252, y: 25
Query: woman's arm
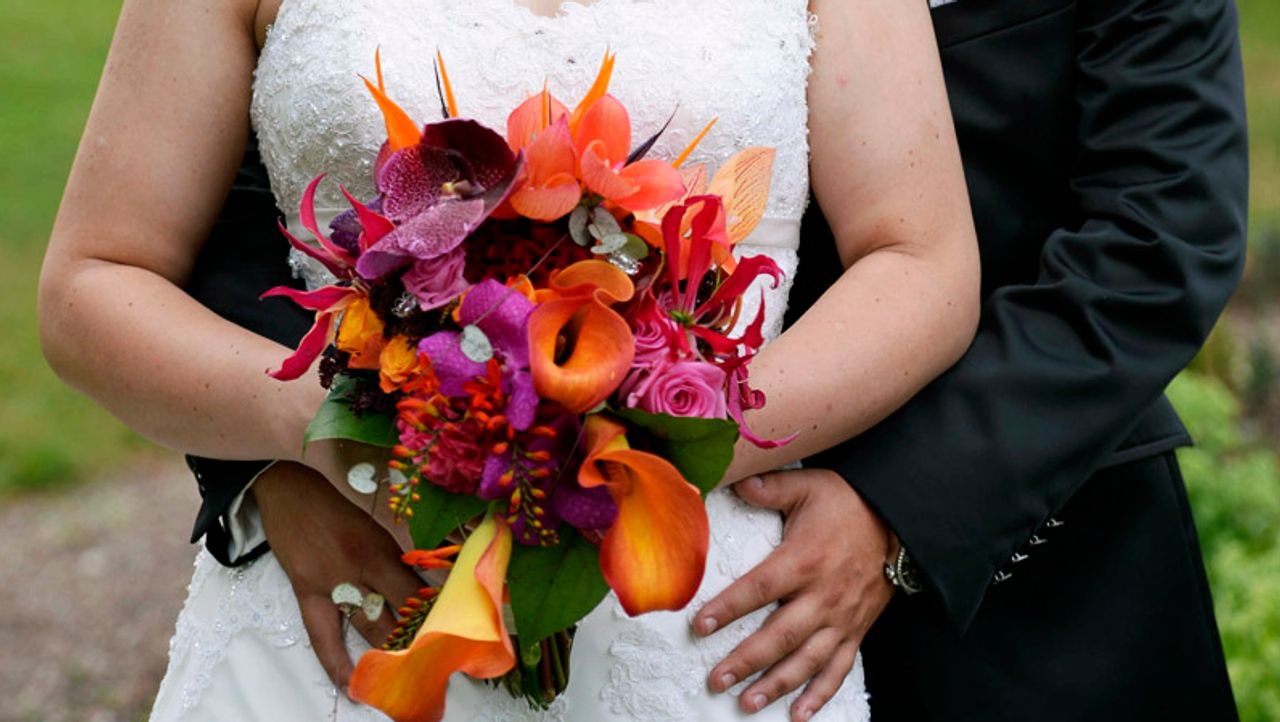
x: 159, y: 151
x: 886, y: 171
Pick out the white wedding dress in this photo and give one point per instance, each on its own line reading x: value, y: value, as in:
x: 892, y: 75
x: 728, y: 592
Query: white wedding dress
x: 240, y: 651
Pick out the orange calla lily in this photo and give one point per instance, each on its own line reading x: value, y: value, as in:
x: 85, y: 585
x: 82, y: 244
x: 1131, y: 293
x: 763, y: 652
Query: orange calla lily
x: 464, y: 632
x: 580, y: 349
x: 655, y: 553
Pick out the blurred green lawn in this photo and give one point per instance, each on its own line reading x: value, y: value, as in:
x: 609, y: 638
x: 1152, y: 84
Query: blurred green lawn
x: 51, y: 54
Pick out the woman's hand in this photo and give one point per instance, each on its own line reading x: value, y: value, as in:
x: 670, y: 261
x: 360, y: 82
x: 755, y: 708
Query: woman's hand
x: 323, y: 540
x: 333, y: 460
x: 828, y: 577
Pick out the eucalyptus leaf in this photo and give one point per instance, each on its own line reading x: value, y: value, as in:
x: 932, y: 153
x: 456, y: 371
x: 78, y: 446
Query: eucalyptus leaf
x: 554, y: 587
x: 439, y: 513
x: 346, y: 595
x: 605, y: 221
x: 635, y: 247
x: 475, y: 344
x: 611, y: 243
x: 361, y: 478
x: 336, y: 420
x: 700, y: 448
x: 578, y: 226
x: 372, y: 606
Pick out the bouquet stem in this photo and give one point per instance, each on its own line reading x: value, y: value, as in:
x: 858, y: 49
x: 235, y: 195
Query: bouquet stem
x: 545, y: 677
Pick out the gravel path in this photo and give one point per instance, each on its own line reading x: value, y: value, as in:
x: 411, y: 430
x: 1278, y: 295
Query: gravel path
x: 91, y: 580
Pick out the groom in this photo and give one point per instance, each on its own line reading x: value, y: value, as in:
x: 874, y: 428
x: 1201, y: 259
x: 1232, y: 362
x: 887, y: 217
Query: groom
x: 1032, y: 537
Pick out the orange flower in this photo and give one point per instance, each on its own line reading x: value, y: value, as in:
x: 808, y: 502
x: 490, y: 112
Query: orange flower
x: 590, y: 147
x: 360, y: 335
x: 464, y: 632
x: 399, y: 362
x: 580, y: 349
x: 655, y: 553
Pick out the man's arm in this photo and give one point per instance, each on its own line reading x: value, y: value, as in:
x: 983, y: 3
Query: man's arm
x: 1062, y: 369
x: 244, y: 256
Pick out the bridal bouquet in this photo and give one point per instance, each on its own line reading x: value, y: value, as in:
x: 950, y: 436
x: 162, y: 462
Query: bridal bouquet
x: 544, y: 330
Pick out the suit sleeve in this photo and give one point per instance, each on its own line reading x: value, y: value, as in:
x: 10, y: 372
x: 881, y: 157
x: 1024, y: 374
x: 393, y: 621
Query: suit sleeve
x: 1062, y: 368
x: 244, y: 256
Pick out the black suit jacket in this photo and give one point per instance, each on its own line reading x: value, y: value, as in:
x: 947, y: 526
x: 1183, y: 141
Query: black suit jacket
x: 1105, y: 154
x: 1104, y: 149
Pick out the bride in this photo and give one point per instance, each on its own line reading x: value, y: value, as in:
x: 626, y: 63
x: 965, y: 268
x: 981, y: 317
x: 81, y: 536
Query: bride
x: 849, y: 93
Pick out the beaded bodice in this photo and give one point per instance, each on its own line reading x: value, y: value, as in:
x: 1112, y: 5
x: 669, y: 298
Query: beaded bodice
x: 744, y: 62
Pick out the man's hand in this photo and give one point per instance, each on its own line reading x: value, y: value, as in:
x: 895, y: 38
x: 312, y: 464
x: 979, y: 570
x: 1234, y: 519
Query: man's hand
x: 322, y: 540
x: 828, y: 574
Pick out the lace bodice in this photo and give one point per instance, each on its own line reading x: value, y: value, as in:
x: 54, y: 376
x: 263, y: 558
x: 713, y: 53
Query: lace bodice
x: 742, y: 61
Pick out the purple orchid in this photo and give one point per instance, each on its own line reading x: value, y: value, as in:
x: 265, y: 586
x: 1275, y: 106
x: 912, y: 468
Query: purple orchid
x: 438, y: 191
x: 502, y: 314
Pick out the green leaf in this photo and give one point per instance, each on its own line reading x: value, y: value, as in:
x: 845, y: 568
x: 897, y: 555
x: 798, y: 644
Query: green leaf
x: 700, y: 448
x: 553, y: 587
x: 475, y: 344
x: 336, y: 420
x: 440, y: 513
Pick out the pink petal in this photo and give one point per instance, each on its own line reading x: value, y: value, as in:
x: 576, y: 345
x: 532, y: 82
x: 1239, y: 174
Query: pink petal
x: 439, y: 230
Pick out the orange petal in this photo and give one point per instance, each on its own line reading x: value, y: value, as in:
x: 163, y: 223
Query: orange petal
x: 551, y: 154
x: 547, y: 204
x: 600, y: 176
x: 597, y: 90
x: 580, y: 351
x: 606, y: 123
x: 450, y: 103
x: 743, y: 183
x: 464, y: 632
x: 586, y: 278
x: 360, y: 335
x: 656, y: 183
x: 402, y: 132
x: 655, y: 553
x: 693, y: 144
x: 534, y: 114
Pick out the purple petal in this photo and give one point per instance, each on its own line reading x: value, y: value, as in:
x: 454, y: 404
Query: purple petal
x: 488, y: 154
x: 345, y: 230
x: 586, y: 509
x: 502, y: 313
x: 413, y: 180
x: 451, y: 366
x: 522, y: 405
x: 439, y: 230
x: 494, y: 467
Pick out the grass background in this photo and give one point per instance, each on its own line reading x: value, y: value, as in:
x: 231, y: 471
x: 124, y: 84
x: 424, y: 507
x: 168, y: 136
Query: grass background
x: 51, y: 53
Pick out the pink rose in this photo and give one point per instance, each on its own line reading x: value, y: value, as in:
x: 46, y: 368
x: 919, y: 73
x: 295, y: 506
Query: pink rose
x: 437, y: 281
x: 652, y: 329
x: 682, y: 388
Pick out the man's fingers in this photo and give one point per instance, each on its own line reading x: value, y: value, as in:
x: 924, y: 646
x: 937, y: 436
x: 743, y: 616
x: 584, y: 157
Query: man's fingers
x: 786, y: 629
x: 826, y: 683
x: 780, y: 490
x: 788, y: 675
x: 323, y: 623
x: 768, y: 582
